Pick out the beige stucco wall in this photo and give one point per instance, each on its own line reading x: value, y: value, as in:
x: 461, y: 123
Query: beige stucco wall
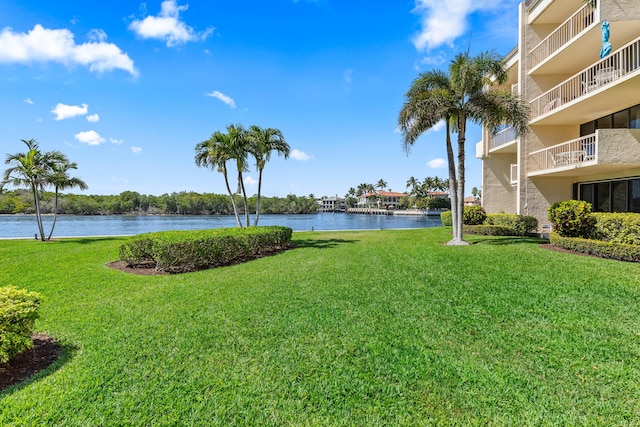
x: 619, y: 10
x: 496, y: 184
x: 542, y: 192
x: 618, y: 146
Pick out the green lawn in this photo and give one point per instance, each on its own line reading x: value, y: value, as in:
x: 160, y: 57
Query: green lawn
x: 365, y: 328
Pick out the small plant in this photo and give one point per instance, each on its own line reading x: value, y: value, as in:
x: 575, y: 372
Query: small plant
x: 572, y: 218
x: 473, y: 215
x: 18, y: 313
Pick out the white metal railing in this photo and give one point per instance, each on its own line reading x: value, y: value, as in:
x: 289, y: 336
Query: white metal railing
x: 606, y: 71
x: 574, y: 152
x: 503, y: 137
x: 569, y: 29
x: 514, y: 173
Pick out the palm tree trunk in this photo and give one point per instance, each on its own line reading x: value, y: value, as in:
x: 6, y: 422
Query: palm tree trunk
x: 460, y: 202
x: 38, y: 215
x: 453, y: 186
x: 255, y: 223
x: 233, y: 200
x: 55, y: 215
x: 244, y: 198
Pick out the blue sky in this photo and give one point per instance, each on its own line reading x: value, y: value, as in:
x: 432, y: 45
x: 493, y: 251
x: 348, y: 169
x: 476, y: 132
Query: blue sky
x: 127, y: 89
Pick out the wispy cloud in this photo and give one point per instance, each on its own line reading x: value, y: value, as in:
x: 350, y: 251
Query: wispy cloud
x: 167, y: 26
x: 222, y: 97
x: 93, y: 118
x: 444, y: 21
x: 45, y: 45
x: 28, y: 101
x: 90, y: 137
x: 437, y: 163
x: 300, y: 155
x: 115, y: 141
x: 63, y: 111
x: 250, y: 181
x: 136, y: 150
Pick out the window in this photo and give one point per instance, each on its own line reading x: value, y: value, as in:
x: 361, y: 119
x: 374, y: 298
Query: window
x: 635, y: 117
x: 603, y: 197
x: 634, y: 195
x: 603, y: 123
x: 621, y: 120
x: 619, y: 196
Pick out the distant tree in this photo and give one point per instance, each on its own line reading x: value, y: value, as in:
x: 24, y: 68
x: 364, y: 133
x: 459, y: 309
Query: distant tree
x: 31, y: 169
x: 381, y: 184
x: 262, y: 143
x: 61, y: 180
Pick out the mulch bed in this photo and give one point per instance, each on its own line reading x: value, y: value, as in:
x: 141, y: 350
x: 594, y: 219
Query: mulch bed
x: 143, y: 271
x: 45, y: 351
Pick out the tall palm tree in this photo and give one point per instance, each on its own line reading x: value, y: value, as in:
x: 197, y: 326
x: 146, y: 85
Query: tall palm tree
x: 413, y: 183
x: 214, y: 153
x: 263, y: 143
x: 456, y: 97
x: 31, y: 169
x: 61, y: 180
x: 239, y: 147
x: 381, y: 184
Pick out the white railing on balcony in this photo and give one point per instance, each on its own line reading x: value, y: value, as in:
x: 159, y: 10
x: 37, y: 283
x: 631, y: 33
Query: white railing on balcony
x: 514, y: 174
x: 503, y: 137
x: 625, y: 60
x: 569, y: 29
x: 574, y: 152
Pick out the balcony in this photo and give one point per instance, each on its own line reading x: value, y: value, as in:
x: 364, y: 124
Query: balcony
x: 565, y: 156
x: 605, y: 151
x: 501, y: 139
x: 561, y: 36
x: 616, y: 70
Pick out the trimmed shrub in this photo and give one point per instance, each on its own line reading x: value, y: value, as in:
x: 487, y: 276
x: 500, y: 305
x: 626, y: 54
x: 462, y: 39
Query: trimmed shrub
x: 446, y: 218
x: 489, y: 230
x: 610, y: 250
x: 520, y: 224
x: 618, y: 227
x: 473, y: 215
x: 138, y: 251
x: 572, y: 218
x: 18, y: 313
x: 184, y: 251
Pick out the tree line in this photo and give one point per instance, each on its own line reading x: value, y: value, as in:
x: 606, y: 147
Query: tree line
x: 133, y: 203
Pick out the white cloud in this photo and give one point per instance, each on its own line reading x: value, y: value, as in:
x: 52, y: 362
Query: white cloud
x: 167, y: 26
x: 93, y: 118
x: 300, y: 155
x: 445, y: 21
x: 63, y: 111
x: 136, y: 150
x: 44, y: 45
x: 222, y: 97
x: 97, y: 35
x: 437, y: 163
x: 115, y: 141
x: 250, y: 181
x: 348, y: 76
x: 90, y: 137
x: 28, y: 101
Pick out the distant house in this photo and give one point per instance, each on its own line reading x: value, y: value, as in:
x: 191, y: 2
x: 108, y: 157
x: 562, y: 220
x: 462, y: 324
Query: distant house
x: 381, y: 199
x: 471, y: 201
x: 438, y: 195
x: 331, y: 204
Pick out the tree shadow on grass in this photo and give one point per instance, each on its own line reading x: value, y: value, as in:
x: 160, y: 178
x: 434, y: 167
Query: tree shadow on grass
x: 45, y: 358
x: 501, y: 241
x: 85, y: 240
x: 319, y: 243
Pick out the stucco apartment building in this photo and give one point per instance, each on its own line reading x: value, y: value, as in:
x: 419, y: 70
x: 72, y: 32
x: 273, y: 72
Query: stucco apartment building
x: 584, y: 139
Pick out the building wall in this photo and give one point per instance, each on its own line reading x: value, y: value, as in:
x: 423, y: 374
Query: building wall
x: 497, y: 183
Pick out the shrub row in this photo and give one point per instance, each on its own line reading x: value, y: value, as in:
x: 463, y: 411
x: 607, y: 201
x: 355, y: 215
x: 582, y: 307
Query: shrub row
x: 617, y: 227
x: 479, y: 222
x: 610, y: 250
x: 184, y: 251
x: 18, y: 313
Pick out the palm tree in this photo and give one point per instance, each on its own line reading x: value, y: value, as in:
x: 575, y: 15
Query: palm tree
x: 31, y: 170
x: 239, y: 149
x: 476, y: 193
x: 381, y: 184
x: 455, y: 97
x: 61, y: 180
x: 413, y: 183
x: 215, y: 152
x: 263, y: 143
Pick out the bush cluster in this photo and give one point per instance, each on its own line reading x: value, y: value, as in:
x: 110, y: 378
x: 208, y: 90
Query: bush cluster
x: 618, y: 227
x: 473, y: 215
x: 572, y: 218
x: 520, y: 224
x: 18, y: 313
x: 610, y: 250
x: 184, y: 251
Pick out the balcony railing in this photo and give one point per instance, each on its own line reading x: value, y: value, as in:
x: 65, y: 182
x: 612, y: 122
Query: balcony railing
x: 603, y: 73
x: 574, y: 152
x: 569, y: 29
x: 514, y: 174
x: 503, y: 137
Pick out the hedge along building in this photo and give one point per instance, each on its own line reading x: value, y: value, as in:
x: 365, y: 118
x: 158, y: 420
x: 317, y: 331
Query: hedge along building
x: 584, y: 139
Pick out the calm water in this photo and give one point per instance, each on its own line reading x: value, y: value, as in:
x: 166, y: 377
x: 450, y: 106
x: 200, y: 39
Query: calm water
x: 20, y: 226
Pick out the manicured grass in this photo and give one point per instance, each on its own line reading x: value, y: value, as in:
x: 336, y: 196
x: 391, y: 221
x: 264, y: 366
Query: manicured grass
x: 365, y: 328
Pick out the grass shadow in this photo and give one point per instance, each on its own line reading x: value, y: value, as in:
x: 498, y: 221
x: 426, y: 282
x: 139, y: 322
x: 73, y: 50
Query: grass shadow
x: 85, y: 240
x: 502, y: 241
x: 43, y: 366
x: 319, y: 243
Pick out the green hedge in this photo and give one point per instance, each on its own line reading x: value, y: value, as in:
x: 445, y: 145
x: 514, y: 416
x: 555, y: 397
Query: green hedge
x: 572, y: 218
x: 184, y: 251
x: 18, y: 313
x: 489, y: 230
x: 618, y: 227
x: 520, y: 224
x: 446, y: 218
x: 611, y: 250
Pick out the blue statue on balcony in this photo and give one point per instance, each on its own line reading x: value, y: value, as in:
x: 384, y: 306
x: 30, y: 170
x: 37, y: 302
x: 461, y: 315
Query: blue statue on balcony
x: 606, y: 46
